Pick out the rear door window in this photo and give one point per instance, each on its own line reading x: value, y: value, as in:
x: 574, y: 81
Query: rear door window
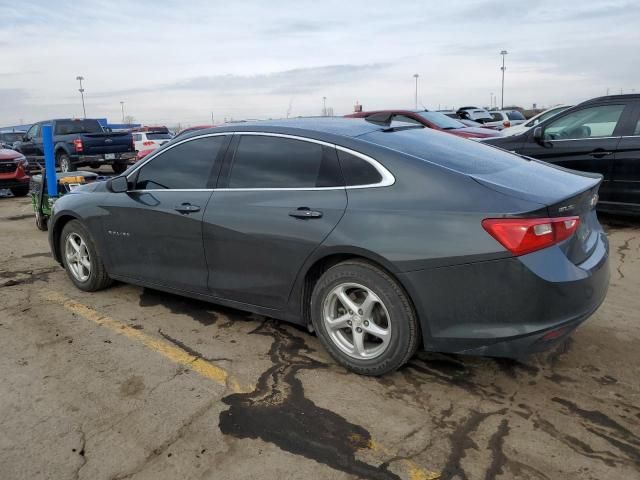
x: 496, y: 116
x: 185, y: 166
x: 357, y: 171
x: 277, y: 162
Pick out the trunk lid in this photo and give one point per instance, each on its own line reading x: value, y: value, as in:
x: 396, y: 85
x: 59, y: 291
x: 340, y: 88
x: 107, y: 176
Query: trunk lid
x: 564, y: 192
x: 106, y: 142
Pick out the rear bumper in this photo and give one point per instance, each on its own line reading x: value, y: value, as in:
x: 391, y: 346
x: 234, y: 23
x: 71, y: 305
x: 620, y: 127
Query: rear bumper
x: 506, y: 307
x: 119, y: 157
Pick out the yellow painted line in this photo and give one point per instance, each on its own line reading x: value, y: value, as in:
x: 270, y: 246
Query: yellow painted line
x: 207, y: 369
x: 177, y: 355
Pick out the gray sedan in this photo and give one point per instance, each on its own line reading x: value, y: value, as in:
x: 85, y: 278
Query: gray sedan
x: 382, y: 238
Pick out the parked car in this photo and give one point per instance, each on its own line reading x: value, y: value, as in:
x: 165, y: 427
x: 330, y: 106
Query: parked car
x: 13, y: 172
x: 11, y: 139
x: 192, y: 129
x: 79, y: 142
x: 150, y: 138
x: 602, y: 136
x: 380, y: 238
x: 476, y: 114
x: 533, y: 121
x: 434, y: 120
x: 502, y: 119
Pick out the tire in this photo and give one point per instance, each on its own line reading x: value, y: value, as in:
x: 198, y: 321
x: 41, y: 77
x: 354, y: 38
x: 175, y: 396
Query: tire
x: 392, y: 313
x: 20, y: 191
x: 42, y: 222
x: 119, y: 167
x: 96, y: 278
x: 65, y: 163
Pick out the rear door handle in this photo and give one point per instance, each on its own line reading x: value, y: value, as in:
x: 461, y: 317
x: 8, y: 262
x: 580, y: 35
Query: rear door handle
x: 305, y: 212
x: 187, y: 208
x: 599, y: 153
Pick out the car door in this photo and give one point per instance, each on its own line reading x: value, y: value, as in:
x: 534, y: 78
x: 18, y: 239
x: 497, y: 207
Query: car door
x: 278, y: 199
x: 154, y: 231
x: 29, y: 147
x: 625, y: 177
x: 583, y: 139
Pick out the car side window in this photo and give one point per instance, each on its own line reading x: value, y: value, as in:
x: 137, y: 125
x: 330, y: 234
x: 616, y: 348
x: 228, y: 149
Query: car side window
x: 592, y: 122
x: 137, y: 137
x: 277, y: 162
x: 357, y: 171
x: 496, y: 116
x: 185, y: 166
x: 636, y: 131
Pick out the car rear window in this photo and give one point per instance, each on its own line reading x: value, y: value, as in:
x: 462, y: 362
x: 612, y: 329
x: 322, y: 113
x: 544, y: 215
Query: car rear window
x: 445, y: 150
x: 67, y: 127
x: 515, y: 115
x: 158, y: 136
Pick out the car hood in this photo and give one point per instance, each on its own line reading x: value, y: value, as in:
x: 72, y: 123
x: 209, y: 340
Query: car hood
x: 538, y: 181
x: 7, y: 154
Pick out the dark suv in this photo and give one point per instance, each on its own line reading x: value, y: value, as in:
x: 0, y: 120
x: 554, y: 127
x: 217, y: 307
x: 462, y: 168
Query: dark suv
x: 601, y: 135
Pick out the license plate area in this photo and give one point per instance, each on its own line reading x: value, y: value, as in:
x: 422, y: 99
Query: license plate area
x: 109, y: 156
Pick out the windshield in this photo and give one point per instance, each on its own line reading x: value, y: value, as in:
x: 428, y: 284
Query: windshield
x: 440, y: 120
x: 515, y: 115
x: 67, y: 127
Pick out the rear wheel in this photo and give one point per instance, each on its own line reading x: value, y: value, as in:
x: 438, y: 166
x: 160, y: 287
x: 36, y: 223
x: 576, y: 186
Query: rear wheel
x: 65, y: 164
x: 81, y: 258
x: 119, y: 167
x: 364, y: 318
x: 41, y: 221
x: 20, y: 191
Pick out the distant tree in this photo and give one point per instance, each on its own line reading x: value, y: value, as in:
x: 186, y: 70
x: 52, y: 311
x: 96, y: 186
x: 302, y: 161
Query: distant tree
x: 129, y: 119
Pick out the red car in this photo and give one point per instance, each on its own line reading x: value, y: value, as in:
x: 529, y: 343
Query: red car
x: 435, y: 120
x: 13, y: 172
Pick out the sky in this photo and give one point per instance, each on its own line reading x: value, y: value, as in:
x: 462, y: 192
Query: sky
x: 180, y: 62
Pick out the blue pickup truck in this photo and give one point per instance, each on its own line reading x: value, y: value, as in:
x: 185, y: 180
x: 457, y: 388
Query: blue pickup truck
x: 80, y: 142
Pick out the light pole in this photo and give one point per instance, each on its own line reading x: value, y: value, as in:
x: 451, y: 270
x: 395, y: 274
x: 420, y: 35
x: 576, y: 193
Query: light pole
x: 503, y: 53
x: 122, y: 106
x: 415, y: 75
x: 324, y: 106
x: 81, y: 90
x: 490, y: 100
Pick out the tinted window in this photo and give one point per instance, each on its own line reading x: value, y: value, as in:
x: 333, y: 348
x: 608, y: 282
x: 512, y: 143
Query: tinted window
x: 357, y: 171
x: 187, y: 165
x: 158, y: 136
x: 496, y: 116
x: 448, y: 151
x: 590, y: 122
x: 67, y: 127
x: 405, y: 119
x: 34, y: 131
x: 515, y: 115
x: 441, y: 121
x: 137, y: 137
x: 275, y: 162
x: 636, y: 131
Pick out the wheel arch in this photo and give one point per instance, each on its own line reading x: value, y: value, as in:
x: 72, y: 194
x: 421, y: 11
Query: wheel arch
x: 56, y: 232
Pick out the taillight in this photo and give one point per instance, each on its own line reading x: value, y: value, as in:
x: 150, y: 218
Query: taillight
x: 77, y: 144
x: 506, y: 124
x: 526, y: 235
x: 148, y: 143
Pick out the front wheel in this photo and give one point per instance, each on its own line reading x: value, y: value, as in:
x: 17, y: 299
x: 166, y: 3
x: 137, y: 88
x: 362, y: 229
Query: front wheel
x: 364, y: 318
x: 81, y: 259
x: 20, y: 191
x: 119, y: 167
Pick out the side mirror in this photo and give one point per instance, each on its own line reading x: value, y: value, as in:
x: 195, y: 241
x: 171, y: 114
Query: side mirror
x: 118, y: 184
x: 537, y: 134
x: 25, y: 138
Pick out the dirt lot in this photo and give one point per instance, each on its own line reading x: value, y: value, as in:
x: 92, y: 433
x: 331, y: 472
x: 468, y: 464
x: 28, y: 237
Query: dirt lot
x: 137, y: 384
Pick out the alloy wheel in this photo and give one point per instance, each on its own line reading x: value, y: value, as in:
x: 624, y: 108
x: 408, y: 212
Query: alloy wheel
x: 78, y: 259
x: 357, y: 321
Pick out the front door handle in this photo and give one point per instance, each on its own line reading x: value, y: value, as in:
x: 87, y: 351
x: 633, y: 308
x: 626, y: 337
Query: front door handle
x: 600, y: 152
x: 187, y: 208
x: 305, y: 212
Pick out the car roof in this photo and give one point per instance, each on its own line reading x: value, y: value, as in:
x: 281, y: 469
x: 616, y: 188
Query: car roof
x: 612, y: 98
x: 336, y: 126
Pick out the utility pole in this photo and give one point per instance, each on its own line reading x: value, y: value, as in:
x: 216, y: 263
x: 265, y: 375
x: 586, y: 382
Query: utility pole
x: 415, y: 75
x: 212, y: 119
x: 81, y: 90
x: 122, y: 107
x: 490, y: 100
x: 324, y: 106
x: 503, y: 53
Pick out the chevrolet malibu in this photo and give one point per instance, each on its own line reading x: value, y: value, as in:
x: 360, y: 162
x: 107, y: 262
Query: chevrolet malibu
x: 381, y: 239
